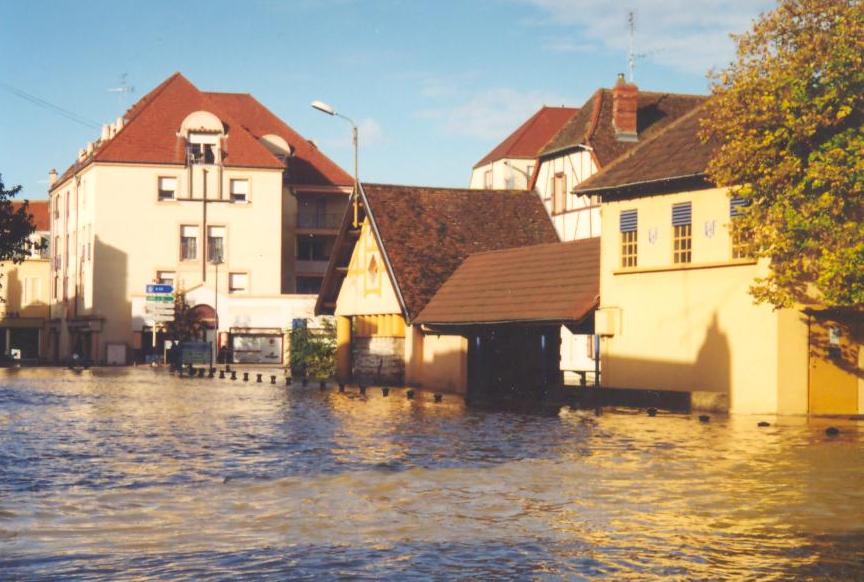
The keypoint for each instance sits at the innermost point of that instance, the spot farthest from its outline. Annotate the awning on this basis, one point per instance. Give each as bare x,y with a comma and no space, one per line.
550,283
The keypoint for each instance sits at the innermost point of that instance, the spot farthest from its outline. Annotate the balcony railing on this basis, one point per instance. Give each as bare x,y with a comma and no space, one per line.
328,220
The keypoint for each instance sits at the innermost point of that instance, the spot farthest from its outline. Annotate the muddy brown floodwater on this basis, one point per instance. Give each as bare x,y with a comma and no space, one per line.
132,474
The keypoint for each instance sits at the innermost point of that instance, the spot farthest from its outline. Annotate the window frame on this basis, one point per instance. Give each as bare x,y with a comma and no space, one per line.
223,238
246,196
559,200
232,290
195,238
159,190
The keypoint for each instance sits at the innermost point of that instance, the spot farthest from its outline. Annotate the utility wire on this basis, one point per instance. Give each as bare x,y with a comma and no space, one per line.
39,102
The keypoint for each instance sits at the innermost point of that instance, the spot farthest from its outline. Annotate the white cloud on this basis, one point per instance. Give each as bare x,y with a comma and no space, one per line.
490,114
690,35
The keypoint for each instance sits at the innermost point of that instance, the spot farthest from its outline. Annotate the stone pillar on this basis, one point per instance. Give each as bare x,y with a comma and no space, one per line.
343,348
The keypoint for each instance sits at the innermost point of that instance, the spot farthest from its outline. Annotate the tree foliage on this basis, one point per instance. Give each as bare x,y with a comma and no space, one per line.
16,226
186,326
313,351
788,116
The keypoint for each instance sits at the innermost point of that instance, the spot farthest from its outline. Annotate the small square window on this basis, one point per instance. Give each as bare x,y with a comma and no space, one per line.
238,282
167,188
239,190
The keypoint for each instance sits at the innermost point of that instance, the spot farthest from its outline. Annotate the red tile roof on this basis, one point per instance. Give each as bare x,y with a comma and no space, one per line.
674,154
151,126
426,233
39,213
308,166
557,283
531,136
593,124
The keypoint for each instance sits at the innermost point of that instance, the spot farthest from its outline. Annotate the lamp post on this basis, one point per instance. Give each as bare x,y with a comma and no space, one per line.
355,194
217,260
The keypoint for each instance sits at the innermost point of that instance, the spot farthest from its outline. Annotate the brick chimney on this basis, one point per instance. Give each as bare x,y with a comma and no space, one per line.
624,104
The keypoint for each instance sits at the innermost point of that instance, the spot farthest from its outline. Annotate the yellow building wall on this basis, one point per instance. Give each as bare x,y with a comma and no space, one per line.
25,289
367,296
695,327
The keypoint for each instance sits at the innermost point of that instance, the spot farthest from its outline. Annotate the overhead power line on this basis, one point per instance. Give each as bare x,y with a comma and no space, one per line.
39,102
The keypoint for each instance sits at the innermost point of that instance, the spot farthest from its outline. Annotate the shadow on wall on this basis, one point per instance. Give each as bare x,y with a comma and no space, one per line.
707,378
111,302
433,368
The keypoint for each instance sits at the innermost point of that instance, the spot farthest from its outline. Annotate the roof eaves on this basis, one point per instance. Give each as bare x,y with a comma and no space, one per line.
390,271
621,188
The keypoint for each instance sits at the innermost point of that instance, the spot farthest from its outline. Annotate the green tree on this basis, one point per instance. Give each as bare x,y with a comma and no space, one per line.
313,351
16,226
186,325
787,116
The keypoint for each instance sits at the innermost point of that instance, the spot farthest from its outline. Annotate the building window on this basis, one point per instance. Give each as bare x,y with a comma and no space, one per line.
167,188
487,179
188,243
166,277
201,148
238,282
239,190
737,234
559,192
682,233
216,244
309,285
629,226
314,248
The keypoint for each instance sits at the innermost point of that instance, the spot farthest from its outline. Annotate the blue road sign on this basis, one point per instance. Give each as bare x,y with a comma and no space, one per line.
159,288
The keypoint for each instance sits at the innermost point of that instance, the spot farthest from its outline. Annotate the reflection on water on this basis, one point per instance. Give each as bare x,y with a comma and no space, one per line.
135,473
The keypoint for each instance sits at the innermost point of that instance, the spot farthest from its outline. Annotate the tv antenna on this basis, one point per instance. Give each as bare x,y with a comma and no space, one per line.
122,90
631,55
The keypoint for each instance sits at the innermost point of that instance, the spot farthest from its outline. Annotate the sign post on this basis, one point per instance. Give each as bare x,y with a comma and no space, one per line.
159,306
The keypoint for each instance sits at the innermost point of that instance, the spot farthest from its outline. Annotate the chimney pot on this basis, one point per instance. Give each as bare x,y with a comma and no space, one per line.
52,177
625,102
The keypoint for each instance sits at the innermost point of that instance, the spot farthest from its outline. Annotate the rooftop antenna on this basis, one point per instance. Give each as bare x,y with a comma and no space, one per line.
123,90
631,56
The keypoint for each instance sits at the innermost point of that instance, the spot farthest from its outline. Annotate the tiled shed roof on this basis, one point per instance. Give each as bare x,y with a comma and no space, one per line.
557,282
593,125
426,233
531,136
675,153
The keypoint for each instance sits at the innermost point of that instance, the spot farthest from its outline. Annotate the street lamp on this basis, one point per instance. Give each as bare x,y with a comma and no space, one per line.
216,260
325,108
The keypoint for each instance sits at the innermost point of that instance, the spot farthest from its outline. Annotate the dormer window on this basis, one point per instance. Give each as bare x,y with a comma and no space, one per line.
202,148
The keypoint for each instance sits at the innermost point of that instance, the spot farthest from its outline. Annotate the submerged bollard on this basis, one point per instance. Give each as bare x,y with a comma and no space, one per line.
201,372
763,424
304,382
221,374
272,379
258,378
652,411
287,380
342,388
363,390
233,375
211,373
704,418
832,431
409,394
385,392
322,383
438,397
245,376
227,368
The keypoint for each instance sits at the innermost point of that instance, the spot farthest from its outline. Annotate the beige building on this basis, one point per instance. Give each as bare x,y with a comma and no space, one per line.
209,192
675,312
384,271
24,295
511,164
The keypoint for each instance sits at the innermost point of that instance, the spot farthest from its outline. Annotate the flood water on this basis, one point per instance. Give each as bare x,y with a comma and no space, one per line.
133,474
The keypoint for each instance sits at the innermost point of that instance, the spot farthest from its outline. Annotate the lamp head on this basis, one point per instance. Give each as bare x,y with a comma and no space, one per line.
323,107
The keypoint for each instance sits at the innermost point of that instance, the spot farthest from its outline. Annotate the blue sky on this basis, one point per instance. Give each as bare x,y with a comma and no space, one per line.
434,85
